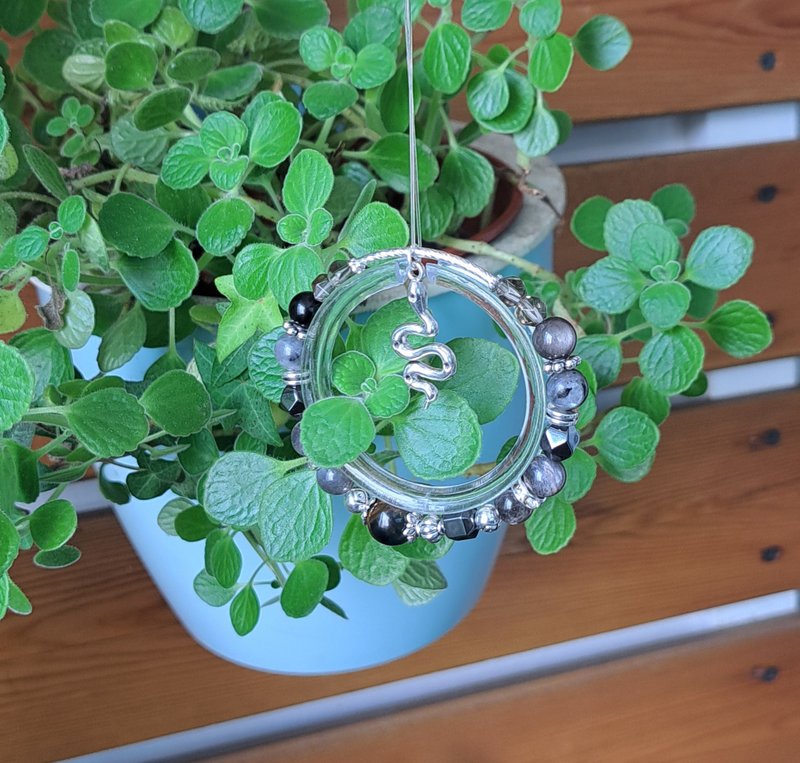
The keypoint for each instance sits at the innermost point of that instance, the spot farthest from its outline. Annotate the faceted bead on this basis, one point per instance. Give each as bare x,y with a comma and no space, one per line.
530,311
510,290
334,481
303,307
544,477
386,524
292,401
460,526
559,443
510,510
554,338
566,390
321,288
295,439
486,519
288,350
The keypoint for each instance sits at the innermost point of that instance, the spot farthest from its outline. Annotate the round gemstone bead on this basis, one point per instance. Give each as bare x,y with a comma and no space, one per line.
510,510
295,439
566,390
559,443
288,350
334,481
544,477
386,524
292,401
486,519
303,308
554,338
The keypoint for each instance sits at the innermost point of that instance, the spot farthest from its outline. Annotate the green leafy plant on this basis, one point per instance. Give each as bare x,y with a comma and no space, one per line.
175,172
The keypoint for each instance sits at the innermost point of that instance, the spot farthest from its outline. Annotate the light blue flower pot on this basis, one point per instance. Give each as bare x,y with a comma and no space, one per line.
379,628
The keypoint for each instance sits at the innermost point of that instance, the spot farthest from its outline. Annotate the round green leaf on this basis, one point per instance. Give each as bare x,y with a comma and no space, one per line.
20,16
192,65
223,226
719,257
161,107
389,158
292,271
9,543
45,55
376,227
233,83
336,430
390,398
18,602
250,269
603,42
178,403
520,106
265,371
671,360
612,285
488,94
366,559
540,18
122,340
550,62
652,245
469,178
436,210
304,588
134,226
245,611
588,221
540,136
211,16
622,220
276,130
138,14
740,328
46,170
130,66
16,386
581,471
289,21
183,205
485,15
441,441
186,164
71,214
109,422
78,321
446,57
53,524
603,353
350,370
222,132
675,202
664,304
374,66
308,183
210,591
626,441
131,145
31,243
161,282
551,526
318,47
57,558
327,99
12,312
640,394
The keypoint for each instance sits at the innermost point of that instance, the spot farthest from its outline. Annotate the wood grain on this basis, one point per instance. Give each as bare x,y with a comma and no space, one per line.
698,702
726,184
103,662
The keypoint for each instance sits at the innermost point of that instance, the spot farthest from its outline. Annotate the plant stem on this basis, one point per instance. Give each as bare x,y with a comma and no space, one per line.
481,247
172,331
630,331
102,177
27,196
276,570
52,445
262,209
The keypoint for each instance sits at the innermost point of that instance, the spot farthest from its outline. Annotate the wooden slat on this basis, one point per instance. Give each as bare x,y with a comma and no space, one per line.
687,56
699,702
726,184
102,661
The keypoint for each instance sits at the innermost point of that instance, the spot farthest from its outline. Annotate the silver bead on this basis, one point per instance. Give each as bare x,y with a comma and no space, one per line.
554,338
486,519
530,311
544,477
410,530
510,290
357,500
521,492
430,529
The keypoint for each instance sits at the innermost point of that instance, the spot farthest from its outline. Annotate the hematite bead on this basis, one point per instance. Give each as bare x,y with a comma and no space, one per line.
544,477
559,443
303,307
386,524
510,510
334,481
295,439
292,401
460,526
288,350
554,338
566,390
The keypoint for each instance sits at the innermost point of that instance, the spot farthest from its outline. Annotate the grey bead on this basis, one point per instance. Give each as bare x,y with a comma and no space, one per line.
510,290
554,338
510,510
334,481
295,439
288,350
530,311
559,443
460,526
566,390
544,477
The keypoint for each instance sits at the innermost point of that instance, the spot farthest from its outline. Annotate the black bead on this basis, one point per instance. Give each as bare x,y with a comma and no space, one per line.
460,526
386,524
292,401
303,307
559,443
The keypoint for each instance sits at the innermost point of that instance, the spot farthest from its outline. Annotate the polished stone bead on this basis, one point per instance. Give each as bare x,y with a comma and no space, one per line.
566,390
292,401
510,510
303,308
554,338
460,526
544,477
295,439
386,524
486,519
334,481
288,350
559,443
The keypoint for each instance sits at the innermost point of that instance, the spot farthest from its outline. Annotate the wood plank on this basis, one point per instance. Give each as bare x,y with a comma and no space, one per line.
102,645
701,701
756,188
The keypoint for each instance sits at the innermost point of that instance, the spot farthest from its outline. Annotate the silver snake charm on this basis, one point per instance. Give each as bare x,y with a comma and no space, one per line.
418,375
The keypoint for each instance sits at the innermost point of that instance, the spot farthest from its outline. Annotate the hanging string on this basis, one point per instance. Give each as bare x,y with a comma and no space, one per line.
413,181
